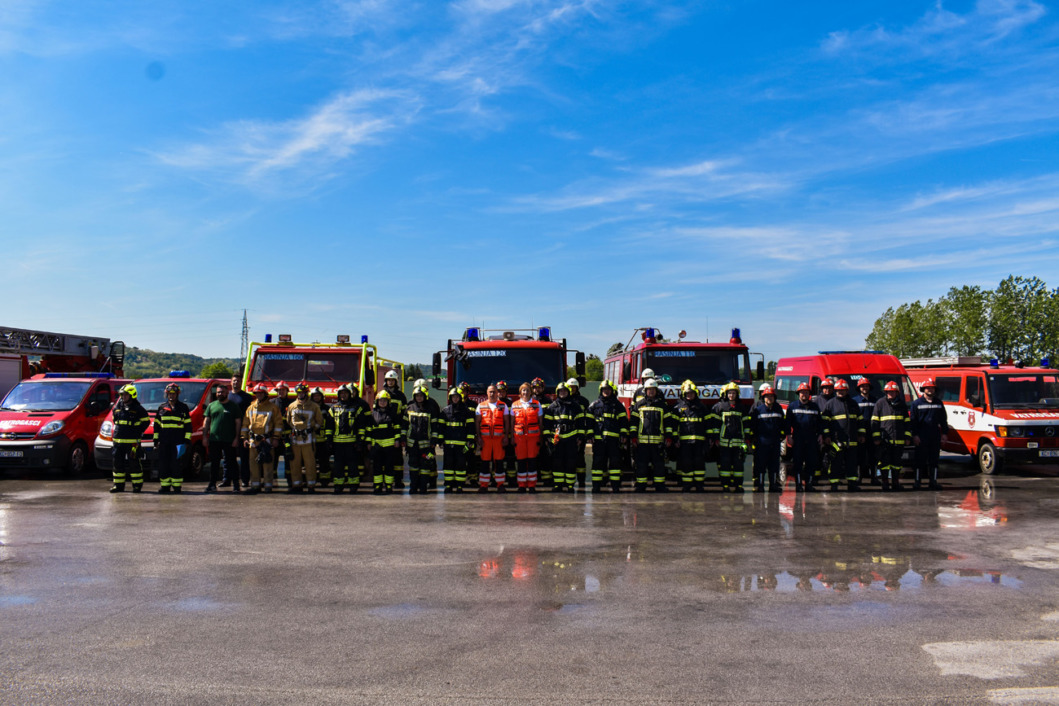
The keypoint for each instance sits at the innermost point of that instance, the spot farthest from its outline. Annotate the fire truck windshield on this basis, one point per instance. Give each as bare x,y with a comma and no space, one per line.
703,367
480,367
317,366
45,396
1024,390
152,394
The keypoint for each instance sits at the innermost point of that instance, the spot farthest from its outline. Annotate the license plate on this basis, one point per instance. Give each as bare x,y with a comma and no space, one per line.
10,454
1031,444
1049,453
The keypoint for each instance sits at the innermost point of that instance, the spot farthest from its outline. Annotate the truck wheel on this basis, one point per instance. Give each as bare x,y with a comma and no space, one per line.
77,461
988,460
196,463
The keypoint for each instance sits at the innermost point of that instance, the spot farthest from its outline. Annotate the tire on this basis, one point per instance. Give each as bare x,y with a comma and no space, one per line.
989,462
196,463
77,462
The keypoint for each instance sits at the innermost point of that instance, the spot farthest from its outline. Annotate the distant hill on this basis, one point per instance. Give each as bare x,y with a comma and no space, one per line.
144,363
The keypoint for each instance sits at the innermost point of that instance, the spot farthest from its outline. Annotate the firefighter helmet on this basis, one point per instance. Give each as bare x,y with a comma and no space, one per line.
647,373
301,387
650,383
537,382
929,382
417,390
688,386
318,390
260,387
345,388
891,387
827,382
804,387
730,387
841,384
501,385
391,375
864,382
560,387
383,395
172,387
129,390
454,391
607,384
766,389
572,382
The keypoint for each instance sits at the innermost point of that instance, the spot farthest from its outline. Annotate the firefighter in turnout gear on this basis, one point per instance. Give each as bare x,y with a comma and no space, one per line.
805,430
262,434
349,416
575,394
930,428
474,461
843,432
729,433
130,422
610,431
563,430
766,433
434,407
866,452
827,393
323,439
544,457
639,393
172,436
493,431
423,435
385,436
527,418
457,437
305,421
691,419
391,383
651,432
282,401
891,432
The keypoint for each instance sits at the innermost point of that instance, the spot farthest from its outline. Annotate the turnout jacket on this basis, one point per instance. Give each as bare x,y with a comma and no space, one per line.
767,424
262,419
421,424
867,407
804,422
608,418
890,422
929,420
842,421
651,421
728,424
172,424
385,427
692,420
348,421
398,399
563,420
304,419
130,422
456,425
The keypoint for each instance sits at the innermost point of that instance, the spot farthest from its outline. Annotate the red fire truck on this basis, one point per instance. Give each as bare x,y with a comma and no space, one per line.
24,353
485,356
324,365
709,365
998,413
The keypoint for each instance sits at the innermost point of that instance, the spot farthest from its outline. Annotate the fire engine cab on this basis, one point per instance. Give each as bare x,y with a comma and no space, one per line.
324,365
485,356
997,413
709,365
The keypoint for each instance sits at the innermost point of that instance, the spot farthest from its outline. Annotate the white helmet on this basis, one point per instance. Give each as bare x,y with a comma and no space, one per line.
572,382
392,375
647,373
419,383
763,386
650,383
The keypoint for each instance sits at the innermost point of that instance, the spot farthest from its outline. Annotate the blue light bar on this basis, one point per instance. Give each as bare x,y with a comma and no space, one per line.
473,334
179,374
544,333
78,375
1045,362
268,338
364,338
994,363
649,333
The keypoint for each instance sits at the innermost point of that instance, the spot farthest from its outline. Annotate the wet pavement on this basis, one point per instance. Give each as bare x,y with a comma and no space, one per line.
922,597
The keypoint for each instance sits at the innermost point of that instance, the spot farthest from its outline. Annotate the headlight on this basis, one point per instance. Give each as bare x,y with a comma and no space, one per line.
1015,431
107,430
53,427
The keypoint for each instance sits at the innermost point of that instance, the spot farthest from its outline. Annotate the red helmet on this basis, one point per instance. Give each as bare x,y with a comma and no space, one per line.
827,382
841,384
804,387
766,390
929,382
301,387
172,387
891,387
260,387
864,382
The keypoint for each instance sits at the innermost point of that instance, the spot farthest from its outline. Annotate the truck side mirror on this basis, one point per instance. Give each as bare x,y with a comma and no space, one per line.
760,370
626,371
579,366
435,367
369,377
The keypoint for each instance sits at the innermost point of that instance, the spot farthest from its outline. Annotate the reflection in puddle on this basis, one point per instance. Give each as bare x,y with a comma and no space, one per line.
8,601
198,604
974,511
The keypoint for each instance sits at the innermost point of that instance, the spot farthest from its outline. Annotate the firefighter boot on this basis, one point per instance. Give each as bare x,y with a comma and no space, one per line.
615,485
118,488
853,486
137,487
413,482
641,487
377,490
597,486
895,479
660,487
685,486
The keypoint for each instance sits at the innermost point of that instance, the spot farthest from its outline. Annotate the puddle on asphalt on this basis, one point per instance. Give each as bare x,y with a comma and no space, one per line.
198,604
11,601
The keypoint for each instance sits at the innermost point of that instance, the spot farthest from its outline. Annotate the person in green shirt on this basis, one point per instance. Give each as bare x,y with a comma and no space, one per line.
222,423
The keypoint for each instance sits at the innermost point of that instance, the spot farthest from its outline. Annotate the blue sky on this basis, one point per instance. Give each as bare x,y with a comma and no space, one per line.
407,169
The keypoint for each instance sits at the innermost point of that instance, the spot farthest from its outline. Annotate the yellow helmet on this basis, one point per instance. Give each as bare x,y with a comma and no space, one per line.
688,386
728,387
382,395
129,389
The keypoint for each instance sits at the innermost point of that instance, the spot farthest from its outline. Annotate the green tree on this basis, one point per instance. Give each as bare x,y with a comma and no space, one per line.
594,368
219,369
1017,318
965,317
414,372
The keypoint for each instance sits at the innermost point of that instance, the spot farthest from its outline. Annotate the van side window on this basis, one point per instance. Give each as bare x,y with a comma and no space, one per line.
973,395
101,396
786,388
948,388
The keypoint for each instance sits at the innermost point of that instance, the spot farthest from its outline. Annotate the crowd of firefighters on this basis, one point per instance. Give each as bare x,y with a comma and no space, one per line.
527,439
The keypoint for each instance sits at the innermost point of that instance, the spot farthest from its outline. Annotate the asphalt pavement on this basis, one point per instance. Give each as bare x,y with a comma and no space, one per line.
913,597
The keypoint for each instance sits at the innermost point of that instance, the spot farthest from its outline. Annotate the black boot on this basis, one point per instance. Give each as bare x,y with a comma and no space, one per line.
597,486
118,488
685,486
164,489
338,489
640,488
137,487
615,485
660,487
